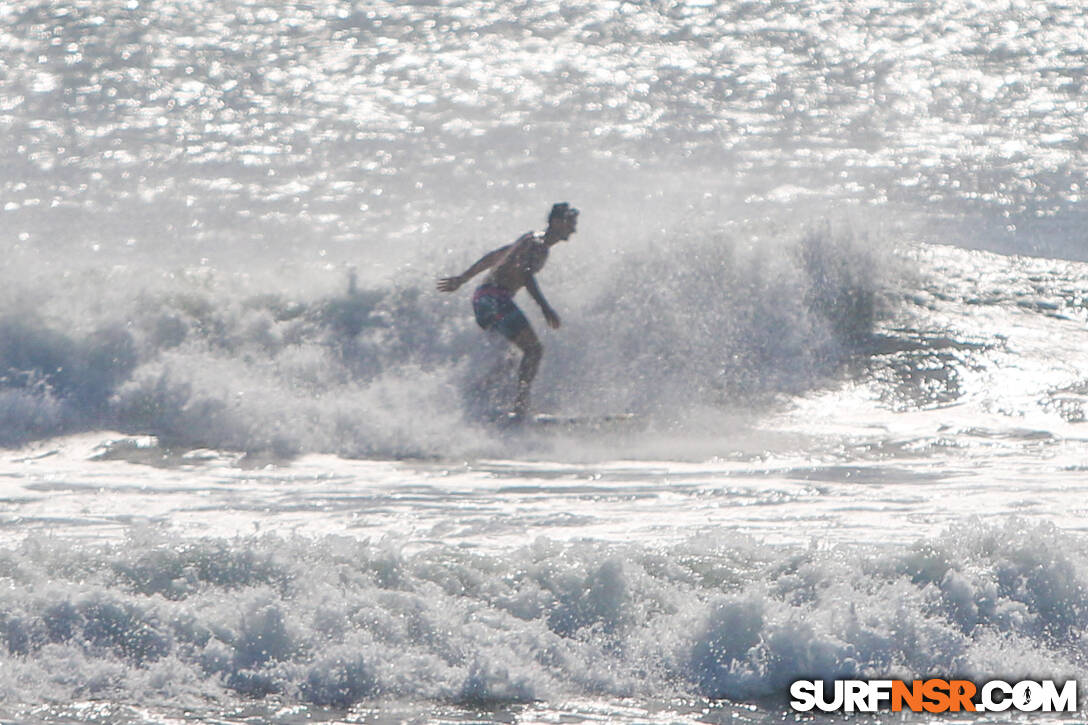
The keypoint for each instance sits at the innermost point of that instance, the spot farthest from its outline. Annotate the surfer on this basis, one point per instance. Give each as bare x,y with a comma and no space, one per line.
512,267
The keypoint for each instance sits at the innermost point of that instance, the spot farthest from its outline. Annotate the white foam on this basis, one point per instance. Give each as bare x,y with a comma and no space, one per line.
336,621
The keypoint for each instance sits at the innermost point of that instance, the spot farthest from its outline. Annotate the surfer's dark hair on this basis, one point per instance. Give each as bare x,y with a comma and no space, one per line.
562,211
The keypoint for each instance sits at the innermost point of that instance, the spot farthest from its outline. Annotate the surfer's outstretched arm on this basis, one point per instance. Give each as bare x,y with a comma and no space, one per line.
489,260
536,294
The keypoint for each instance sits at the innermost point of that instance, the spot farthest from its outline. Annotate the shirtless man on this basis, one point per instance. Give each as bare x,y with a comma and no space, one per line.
512,267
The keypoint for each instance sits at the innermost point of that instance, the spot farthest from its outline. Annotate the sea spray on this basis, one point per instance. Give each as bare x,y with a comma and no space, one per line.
699,319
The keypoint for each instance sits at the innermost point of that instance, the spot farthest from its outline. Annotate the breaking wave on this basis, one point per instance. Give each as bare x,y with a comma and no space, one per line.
338,621
703,320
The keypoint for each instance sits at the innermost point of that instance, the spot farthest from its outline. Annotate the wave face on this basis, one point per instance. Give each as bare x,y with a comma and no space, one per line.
338,621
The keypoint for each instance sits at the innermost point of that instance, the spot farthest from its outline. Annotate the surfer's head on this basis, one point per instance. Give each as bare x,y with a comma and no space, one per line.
562,221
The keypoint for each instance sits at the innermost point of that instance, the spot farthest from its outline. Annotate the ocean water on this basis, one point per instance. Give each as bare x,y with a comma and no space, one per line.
832,256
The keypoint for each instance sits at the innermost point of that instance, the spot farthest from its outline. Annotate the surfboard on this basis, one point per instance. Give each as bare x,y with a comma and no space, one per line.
566,423
584,421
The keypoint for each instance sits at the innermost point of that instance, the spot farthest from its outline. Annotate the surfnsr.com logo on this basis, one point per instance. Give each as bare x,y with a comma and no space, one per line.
933,695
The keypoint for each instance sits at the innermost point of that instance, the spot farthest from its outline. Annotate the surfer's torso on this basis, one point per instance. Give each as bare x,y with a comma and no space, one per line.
522,260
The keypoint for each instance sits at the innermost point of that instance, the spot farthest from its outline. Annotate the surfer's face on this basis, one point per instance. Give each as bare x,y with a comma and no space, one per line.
563,227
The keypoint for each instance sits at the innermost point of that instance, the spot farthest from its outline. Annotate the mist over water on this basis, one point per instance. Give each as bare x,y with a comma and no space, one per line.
832,254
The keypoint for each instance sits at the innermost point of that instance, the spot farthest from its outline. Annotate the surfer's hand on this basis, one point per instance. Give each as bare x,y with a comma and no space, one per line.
552,318
449,284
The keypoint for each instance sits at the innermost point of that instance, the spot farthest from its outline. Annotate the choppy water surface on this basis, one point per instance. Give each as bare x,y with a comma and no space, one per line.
348,127
243,475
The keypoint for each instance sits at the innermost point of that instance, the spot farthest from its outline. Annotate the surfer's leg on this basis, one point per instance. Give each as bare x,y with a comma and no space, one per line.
531,350
498,313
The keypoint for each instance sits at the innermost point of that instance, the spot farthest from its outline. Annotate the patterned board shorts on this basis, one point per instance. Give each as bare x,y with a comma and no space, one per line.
495,310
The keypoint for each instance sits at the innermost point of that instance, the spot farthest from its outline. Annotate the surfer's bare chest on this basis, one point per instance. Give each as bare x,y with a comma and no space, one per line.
525,259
